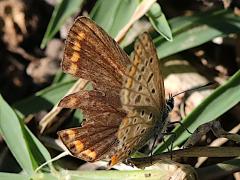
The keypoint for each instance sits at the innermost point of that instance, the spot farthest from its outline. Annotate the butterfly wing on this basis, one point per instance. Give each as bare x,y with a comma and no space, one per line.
96,139
142,98
93,55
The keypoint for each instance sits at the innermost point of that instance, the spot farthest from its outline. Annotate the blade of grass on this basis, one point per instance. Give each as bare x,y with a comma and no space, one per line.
193,31
159,21
113,15
61,12
217,171
26,149
220,101
43,99
141,9
11,176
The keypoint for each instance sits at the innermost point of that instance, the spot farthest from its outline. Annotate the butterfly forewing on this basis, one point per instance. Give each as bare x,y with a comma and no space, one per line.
93,55
143,98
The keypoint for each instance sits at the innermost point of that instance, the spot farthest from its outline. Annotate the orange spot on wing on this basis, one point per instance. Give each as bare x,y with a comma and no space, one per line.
75,57
78,146
90,155
71,102
72,68
70,134
114,160
80,36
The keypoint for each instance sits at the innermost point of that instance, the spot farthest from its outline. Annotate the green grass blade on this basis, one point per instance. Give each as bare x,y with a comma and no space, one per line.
220,101
113,15
11,176
159,21
27,150
193,31
43,99
61,12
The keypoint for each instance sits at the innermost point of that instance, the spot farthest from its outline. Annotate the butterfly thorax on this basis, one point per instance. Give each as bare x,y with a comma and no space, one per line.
161,124
169,106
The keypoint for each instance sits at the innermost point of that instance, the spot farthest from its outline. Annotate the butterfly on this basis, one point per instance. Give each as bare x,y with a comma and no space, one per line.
127,106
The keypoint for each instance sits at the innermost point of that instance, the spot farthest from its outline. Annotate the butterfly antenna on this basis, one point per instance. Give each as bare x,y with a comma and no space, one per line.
195,88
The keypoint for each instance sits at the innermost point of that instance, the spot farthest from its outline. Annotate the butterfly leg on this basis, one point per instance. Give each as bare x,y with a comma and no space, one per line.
154,142
179,122
173,139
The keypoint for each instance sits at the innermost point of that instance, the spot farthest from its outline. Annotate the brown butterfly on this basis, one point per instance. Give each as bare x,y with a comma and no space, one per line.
127,106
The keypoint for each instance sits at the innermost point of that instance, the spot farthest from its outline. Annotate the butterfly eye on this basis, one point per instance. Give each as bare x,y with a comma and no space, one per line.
129,152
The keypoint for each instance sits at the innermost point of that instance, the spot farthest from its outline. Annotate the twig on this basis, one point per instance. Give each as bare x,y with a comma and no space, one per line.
188,152
216,143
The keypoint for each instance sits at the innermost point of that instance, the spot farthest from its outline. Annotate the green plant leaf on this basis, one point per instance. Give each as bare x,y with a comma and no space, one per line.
159,21
195,30
27,150
220,101
113,15
61,12
11,176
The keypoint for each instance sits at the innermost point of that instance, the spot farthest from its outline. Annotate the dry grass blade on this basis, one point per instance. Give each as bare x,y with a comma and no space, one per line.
49,119
143,7
216,128
216,143
188,152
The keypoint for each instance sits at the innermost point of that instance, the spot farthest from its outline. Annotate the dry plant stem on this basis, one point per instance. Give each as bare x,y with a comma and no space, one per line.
143,7
219,170
189,152
216,143
50,119
20,51
216,128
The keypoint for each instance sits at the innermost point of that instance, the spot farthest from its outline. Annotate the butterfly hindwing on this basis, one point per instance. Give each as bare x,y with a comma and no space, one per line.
89,143
143,83
97,138
142,96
